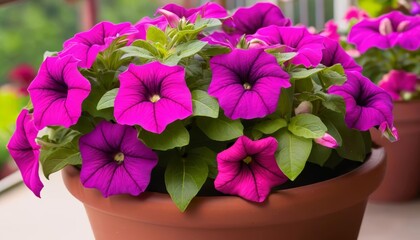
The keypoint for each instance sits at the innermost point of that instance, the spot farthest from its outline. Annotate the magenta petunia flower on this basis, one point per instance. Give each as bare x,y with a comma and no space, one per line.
397,82
144,24
333,53
389,30
207,10
247,20
222,39
415,7
85,46
152,95
249,169
24,150
355,13
115,161
367,105
57,92
247,83
331,31
297,39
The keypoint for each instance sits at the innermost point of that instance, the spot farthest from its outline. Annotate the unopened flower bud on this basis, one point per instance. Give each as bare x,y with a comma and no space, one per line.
171,17
304,107
327,141
390,133
257,43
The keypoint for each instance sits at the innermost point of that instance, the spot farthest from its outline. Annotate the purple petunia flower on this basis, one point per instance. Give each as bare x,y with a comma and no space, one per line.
152,95
355,13
57,92
333,53
85,46
222,39
397,82
24,150
247,20
297,39
249,169
247,83
115,161
207,10
389,30
367,105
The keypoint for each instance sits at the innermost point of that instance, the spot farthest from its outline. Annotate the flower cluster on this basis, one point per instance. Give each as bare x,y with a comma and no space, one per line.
389,48
197,94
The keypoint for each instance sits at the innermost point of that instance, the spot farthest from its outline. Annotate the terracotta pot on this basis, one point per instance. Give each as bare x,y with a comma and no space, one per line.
402,177
331,209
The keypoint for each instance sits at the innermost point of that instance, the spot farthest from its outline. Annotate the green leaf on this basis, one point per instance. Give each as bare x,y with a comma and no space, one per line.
204,104
333,102
285,105
133,51
154,34
333,131
204,153
307,125
49,54
146,46
175,135
353,146
189,49
221,129
283,57
213,50
207,22
300,73
319,154
184,178
107,100
293,153
333,75
270,126
57,159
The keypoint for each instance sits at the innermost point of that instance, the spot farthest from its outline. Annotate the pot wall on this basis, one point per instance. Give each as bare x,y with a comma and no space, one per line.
331,209
402,176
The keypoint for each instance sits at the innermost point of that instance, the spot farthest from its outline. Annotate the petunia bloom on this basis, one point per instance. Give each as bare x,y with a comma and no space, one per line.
207,10
24,150
249,169
57,92
85,46
367,105
415,7
247,83
355,13
296,39
152,95
247,20
331,31
397,82
222,39
389,30
115,161
333,53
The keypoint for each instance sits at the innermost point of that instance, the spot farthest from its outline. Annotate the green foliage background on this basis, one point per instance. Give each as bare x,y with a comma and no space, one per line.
29,28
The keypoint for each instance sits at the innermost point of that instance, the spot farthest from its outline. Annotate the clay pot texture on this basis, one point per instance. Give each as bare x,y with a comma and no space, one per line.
332,209
402,176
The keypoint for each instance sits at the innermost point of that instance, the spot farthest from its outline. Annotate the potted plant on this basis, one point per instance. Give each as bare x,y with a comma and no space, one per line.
199,102
390,53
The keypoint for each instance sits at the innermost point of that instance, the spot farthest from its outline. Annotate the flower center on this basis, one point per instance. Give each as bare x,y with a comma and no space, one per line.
247,86
154,98
248,160
119,157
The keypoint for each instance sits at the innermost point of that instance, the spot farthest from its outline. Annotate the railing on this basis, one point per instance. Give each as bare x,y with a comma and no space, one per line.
308,12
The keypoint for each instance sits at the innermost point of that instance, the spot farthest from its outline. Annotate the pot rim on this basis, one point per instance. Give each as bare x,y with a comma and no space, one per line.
295,204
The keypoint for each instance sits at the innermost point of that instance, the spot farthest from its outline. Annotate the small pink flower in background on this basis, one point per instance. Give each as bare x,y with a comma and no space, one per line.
152,95
355,13
24,150
22,75
249,169
58,92
415,7
331,31
397,82
327,141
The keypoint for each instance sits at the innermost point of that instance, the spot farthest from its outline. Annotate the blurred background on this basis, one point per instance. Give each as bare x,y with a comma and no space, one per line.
28,28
